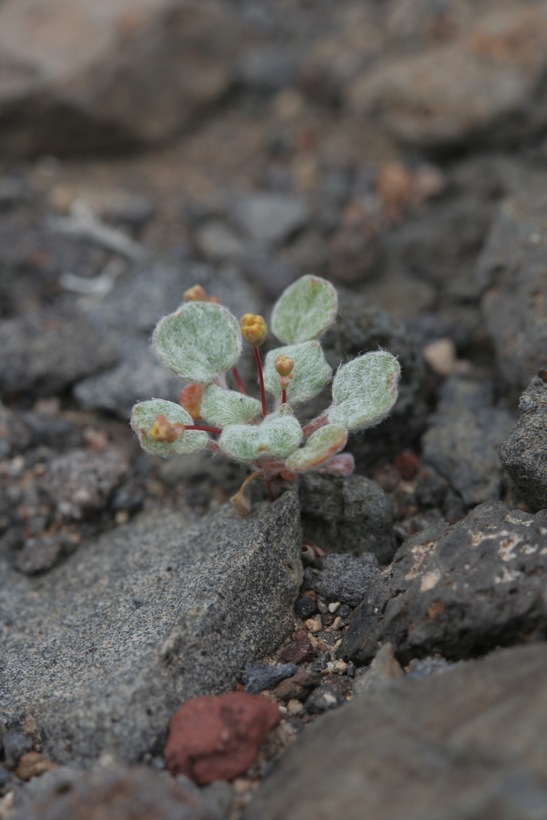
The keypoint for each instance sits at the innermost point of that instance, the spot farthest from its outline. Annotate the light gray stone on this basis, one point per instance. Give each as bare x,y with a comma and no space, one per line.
75,77
470,743
103,649
485,83
269,216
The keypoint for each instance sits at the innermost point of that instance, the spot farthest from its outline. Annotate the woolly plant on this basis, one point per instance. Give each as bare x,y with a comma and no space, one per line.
201,343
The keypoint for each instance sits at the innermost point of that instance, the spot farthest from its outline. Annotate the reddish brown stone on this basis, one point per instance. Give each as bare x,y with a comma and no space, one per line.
299,650
407,464
298,686
217,737
33,764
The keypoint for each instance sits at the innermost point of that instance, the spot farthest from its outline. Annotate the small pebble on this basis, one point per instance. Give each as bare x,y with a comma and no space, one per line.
334,606
295,707
314,625
323,699
305,607
265,676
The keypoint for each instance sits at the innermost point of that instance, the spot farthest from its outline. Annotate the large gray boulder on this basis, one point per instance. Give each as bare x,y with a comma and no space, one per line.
468,743
523,453
458,590
512,271
78,77
103,649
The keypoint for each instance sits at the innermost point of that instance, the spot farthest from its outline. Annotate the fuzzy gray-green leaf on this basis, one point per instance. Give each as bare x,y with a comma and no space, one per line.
304,310
144,415
199,341
309,376
318,449
221,407
277,436
365,390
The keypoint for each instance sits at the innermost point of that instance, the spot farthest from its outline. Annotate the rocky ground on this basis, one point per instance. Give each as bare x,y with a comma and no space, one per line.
398,149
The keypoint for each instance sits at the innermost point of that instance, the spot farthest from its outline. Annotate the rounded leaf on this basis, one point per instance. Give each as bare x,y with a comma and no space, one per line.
143,417
304,310
221,407
365,390
310,372
319,448
199,341
277,436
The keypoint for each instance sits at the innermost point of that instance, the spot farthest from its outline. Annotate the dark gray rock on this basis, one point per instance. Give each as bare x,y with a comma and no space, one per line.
361,327
470,743
47,351
384,669
324,699
463,439
118,793
458,590
139,376
82,481
347,515
441,244
216,240
269,273
347,578
268,217
103,649
128,315
484,84
266,675
21,431
38,554
14,745
269,69
512,268
139,299
523,453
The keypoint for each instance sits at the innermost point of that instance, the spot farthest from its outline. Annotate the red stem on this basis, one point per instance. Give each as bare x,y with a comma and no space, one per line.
284,395
238,380
261,381
205,428
314,425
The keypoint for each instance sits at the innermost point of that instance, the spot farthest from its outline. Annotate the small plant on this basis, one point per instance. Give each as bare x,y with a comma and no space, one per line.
201,343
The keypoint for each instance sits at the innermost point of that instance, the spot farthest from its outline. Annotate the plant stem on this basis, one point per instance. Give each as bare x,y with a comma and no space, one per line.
261,381
284,395
238,500
238,380
314,425
205,428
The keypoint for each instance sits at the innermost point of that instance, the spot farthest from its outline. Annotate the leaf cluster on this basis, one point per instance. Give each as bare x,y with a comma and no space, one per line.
202,341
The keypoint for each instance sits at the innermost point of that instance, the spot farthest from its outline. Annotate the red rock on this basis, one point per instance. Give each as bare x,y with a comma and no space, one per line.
298,687
407,464
217,737
298,651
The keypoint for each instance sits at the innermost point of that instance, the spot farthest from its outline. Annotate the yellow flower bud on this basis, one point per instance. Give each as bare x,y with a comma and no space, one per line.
163,430
195,294
284,365
253,329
